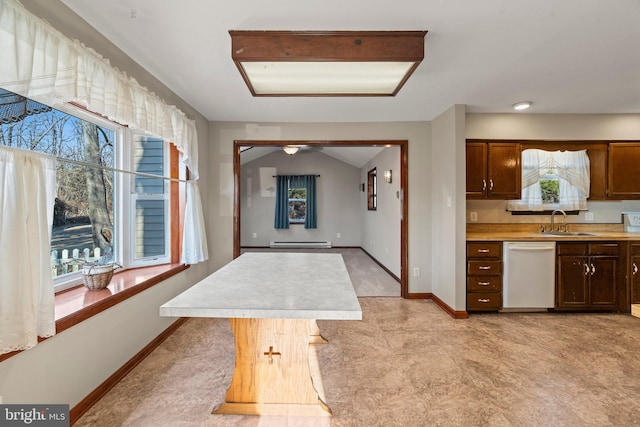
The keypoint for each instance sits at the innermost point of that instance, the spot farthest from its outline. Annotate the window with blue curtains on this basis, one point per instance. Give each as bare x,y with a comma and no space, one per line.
283,183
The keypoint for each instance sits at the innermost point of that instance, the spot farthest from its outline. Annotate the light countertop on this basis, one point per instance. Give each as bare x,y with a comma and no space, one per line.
530,232
272,285
537,236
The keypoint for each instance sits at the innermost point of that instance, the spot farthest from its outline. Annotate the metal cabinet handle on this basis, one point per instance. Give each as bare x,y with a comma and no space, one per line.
484,267
483,251
484,283
484,184
593,269
635,268
484,300
490,184
586,269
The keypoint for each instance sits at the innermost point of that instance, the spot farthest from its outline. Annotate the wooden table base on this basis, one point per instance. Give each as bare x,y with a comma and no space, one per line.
273,369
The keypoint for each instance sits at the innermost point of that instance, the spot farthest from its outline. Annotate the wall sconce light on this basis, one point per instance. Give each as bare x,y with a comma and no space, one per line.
387,176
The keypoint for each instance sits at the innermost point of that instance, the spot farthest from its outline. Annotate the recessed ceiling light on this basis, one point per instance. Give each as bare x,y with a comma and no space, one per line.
326,63
522,105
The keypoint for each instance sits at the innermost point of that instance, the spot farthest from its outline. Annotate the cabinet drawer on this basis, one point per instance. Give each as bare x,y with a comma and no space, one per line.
635,248
482,267
604,249
479,301
484,250
572,249
484,283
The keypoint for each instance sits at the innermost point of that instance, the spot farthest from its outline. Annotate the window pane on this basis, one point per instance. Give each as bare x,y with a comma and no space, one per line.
83,213
550,191
149,158
150,228
151,231
297,205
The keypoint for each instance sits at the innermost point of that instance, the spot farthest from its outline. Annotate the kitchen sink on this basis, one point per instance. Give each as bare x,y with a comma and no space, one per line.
567,233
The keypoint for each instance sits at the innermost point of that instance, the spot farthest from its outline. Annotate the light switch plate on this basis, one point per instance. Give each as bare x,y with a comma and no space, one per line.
588,216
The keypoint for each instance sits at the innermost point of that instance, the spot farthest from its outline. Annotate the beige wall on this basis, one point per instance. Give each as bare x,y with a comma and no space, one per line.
448,201
381,228
583,127
337,197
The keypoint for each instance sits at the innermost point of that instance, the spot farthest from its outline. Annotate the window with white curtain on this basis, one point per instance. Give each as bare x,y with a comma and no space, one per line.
99,214
553,180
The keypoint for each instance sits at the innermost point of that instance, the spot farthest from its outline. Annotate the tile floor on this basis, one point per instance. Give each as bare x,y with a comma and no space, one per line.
407,363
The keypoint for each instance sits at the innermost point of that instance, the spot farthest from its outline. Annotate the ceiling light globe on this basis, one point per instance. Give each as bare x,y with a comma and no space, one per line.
290,150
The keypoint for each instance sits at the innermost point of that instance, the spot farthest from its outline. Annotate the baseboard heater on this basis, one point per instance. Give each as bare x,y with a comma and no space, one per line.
300,245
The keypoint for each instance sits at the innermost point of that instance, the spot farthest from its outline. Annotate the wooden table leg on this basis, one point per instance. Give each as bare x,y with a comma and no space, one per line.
315,337
272,374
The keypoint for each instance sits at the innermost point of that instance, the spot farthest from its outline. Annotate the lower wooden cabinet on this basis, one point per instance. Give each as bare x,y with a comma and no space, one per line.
484,276
633,272
591,276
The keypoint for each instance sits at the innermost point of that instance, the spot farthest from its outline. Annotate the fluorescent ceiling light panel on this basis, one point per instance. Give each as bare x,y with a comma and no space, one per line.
325,78
333,63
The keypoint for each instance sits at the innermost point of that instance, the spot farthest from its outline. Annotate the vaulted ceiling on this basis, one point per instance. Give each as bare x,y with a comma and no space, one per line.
569,56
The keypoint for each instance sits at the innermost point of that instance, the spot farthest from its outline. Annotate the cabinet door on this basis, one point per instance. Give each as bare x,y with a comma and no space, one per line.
634,274
603,279
624,174
572,282
504,171
476,170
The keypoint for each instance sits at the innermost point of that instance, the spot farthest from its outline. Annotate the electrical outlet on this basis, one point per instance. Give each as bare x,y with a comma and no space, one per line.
338,235
588,216
474,216
416,272
255,235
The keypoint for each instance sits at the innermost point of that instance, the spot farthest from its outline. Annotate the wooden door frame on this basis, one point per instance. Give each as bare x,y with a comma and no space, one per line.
404,189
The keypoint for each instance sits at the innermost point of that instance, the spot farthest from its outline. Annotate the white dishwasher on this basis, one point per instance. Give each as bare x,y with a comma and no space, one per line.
529,275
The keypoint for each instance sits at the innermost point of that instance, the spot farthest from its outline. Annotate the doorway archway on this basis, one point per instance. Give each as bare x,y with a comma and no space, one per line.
404,182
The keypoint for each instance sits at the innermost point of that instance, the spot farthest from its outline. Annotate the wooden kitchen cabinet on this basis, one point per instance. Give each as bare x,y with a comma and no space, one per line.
633,272
493,170
623,177
590,276
484,276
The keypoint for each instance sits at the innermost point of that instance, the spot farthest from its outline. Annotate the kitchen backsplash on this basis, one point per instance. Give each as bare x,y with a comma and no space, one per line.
494,211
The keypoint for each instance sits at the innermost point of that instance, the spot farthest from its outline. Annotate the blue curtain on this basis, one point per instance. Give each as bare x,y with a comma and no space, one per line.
311,219
282,202
283,183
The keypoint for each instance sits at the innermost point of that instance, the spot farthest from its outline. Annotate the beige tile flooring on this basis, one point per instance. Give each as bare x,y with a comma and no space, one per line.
407,363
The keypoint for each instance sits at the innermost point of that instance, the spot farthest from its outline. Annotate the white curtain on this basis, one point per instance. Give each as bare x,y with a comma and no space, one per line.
531,193
39,62
572,170
27,196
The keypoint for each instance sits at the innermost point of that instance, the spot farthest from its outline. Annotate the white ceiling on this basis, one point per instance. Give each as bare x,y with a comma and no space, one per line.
567,56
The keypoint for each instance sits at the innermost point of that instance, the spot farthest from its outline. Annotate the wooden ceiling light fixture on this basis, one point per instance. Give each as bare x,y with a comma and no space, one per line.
326,63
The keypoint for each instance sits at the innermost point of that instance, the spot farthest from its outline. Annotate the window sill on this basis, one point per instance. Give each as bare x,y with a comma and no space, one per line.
78,304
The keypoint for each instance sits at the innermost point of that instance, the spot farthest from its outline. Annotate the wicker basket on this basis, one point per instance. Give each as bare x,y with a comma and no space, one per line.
98,276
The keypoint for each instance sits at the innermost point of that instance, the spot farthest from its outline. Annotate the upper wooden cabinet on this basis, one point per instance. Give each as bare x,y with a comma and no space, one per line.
493,170
623,170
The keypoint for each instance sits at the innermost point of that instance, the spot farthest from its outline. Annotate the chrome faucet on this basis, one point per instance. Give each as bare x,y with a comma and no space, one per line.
564,221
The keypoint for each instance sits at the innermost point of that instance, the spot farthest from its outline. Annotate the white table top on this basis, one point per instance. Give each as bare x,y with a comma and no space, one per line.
272,285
